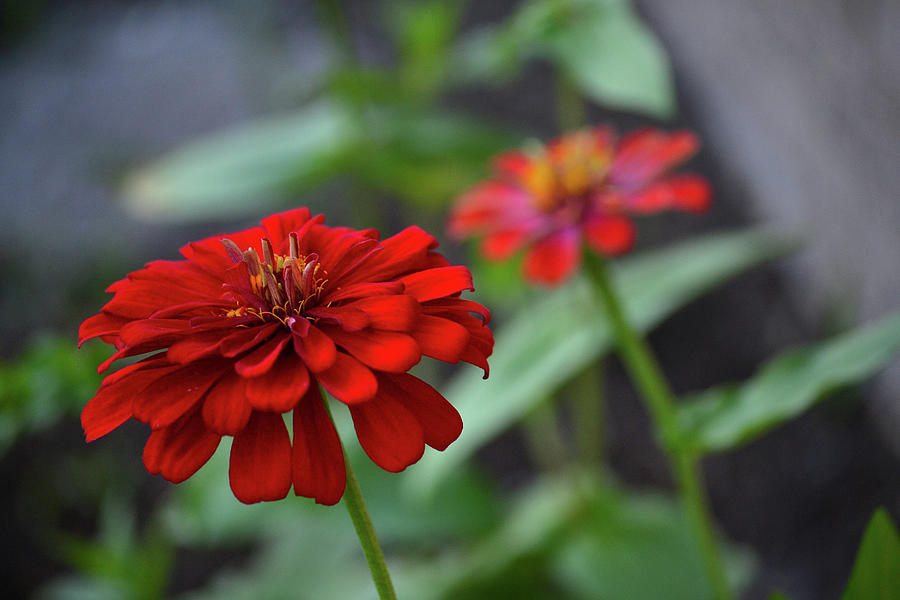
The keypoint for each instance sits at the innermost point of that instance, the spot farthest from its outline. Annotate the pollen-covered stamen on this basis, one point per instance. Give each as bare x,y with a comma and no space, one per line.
287,284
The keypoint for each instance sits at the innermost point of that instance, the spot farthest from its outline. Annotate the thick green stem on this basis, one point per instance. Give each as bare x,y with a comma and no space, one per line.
356,506
648,377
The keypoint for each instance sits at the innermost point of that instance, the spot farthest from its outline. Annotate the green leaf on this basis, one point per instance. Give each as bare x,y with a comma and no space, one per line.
728,416
229,173
876,573
778,596
601,45
554,337
613,58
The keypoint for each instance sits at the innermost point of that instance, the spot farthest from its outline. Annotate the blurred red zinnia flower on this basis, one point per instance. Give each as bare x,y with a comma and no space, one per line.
581,185
250,323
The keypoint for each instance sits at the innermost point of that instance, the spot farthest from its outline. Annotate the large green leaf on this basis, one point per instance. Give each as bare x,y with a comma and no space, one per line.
727,416
614,58
876,573
553,338
604,48
230,173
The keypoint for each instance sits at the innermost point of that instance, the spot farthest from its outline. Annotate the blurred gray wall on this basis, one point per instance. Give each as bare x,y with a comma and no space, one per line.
800,100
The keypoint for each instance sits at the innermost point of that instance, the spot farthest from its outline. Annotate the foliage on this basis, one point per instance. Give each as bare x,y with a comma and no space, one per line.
728,416
553,338
876,572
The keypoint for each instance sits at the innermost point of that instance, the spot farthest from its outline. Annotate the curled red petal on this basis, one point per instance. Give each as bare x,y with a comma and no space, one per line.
173,394
176,452
348,380
440,422
315,348
440,338
112,405
437,283
260,467
388,432
225,407
259,361
281,389
317,460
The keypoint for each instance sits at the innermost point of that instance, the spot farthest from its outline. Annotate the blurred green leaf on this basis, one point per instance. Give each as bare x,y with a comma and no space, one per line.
601,45
51,379
613,58
876,572
230,173
728,416
778,596
635,548
552,339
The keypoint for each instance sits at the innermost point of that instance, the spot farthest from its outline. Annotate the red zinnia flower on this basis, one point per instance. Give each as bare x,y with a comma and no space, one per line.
580,185
249,325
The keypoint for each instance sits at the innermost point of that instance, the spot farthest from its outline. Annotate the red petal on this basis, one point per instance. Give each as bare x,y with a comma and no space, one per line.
437,283
440,422
280,225
348,380
441,338
609,234
388,432
457,306
169,397
99,326
177,451
112,405
280,390
393,313
383,350
318,458
399,253
246,338
195,346
260,466
690,192
363,290
348,318
259,361
503,244
553,259
225,408
315,348
647,153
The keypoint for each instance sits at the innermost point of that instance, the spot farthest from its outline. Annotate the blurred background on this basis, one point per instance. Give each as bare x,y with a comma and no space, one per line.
129,128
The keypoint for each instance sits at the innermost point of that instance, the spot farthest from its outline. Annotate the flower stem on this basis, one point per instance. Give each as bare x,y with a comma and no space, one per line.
648,377
543,437
356,506
588,406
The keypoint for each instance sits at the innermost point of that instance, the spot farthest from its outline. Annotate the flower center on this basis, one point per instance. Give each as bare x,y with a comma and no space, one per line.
278,286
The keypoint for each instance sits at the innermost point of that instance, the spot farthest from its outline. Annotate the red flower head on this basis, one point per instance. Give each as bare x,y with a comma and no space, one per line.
249,325
583,184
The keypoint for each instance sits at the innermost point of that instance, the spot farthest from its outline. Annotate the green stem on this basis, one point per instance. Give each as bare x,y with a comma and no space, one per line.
588,406
356,506
543,436
648,377
571,112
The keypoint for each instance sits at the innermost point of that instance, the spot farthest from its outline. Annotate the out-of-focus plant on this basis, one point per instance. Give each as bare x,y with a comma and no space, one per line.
600,46
46,383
